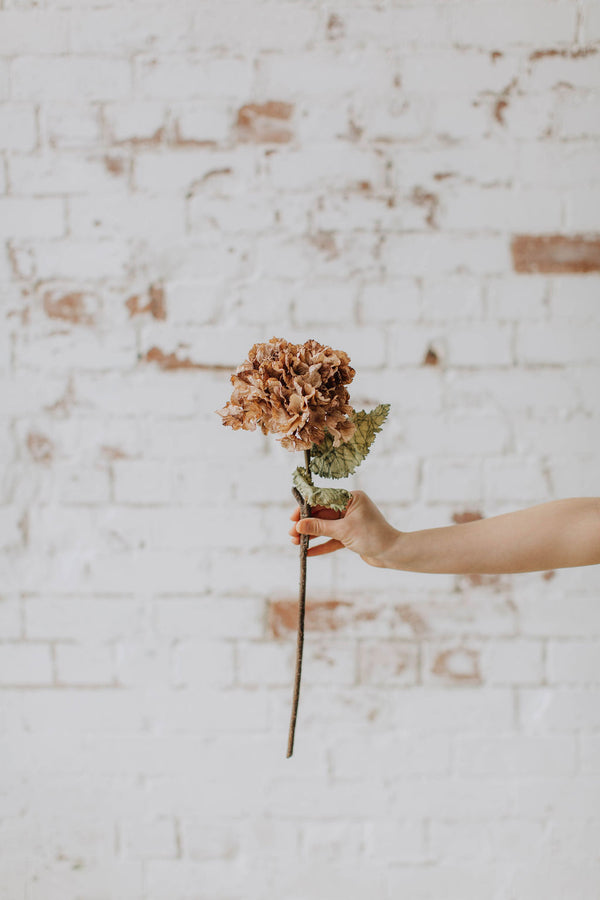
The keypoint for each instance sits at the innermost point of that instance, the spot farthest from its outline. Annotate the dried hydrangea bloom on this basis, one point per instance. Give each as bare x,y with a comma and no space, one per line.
295,390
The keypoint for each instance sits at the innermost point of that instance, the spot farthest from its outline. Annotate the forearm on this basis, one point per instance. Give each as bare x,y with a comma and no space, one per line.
552,535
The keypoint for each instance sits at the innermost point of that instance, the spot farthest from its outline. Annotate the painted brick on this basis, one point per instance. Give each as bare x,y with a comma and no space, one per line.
33,31
64,78
558,709
416,184
460,71
71,618
25,664
534,24
452,481
573,662
18,129
522,756
84,664
181,78
571,344
29,217
197,662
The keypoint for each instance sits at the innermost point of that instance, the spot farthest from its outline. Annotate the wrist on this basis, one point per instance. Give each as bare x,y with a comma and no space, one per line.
394,554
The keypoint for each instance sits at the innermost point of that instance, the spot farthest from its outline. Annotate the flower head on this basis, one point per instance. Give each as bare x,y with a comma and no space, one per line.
296,390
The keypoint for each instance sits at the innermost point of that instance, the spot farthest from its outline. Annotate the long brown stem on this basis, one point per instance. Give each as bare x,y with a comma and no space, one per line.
304,513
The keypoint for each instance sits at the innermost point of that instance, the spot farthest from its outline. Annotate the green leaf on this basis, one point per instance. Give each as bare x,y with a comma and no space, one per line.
338,462
334,498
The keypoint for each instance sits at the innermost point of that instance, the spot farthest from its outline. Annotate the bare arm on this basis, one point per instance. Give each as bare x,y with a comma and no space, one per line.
553,535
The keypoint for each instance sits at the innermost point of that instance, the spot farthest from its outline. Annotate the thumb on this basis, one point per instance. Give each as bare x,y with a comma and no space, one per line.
326,527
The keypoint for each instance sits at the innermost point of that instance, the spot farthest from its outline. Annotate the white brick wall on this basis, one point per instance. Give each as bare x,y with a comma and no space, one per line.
416,183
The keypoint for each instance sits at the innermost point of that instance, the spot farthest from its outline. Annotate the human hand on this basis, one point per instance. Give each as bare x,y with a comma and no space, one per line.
361,527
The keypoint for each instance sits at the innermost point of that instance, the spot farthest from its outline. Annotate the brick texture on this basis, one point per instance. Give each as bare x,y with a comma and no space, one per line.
416,183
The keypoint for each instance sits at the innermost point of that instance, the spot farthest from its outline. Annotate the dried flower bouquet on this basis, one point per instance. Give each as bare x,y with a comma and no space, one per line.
299,392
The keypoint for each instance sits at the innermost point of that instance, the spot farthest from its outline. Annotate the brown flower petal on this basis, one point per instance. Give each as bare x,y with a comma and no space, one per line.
295,390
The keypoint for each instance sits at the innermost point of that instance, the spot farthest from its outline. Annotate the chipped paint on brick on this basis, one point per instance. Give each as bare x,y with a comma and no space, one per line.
179,140
261,123
40,447
411,617
68,307
325,241
156,305
114,164
320,615
430,201
565,53
502,102
431,358
152,140
335,27
170,361
555,254
459,665
355,132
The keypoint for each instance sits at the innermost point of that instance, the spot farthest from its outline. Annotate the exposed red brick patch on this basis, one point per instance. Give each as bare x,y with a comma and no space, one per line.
365,186
431,358
431,202
172,361
442,176
496,54
458,665
466,516
114,164
555,253
320,615
69,307
324,240
261,122
40,447
155,306
548,576
335,27
575,53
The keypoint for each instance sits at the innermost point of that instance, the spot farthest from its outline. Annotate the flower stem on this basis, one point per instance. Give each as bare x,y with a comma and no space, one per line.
304,513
